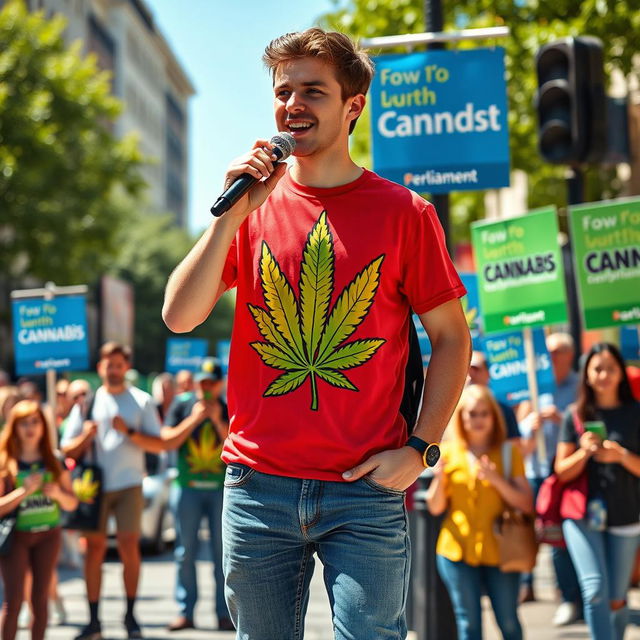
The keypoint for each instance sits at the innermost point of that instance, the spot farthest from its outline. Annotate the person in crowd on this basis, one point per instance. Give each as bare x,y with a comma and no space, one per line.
549,418
184,382
163,393
198,425
9,396
5,379
123,425
469,486
63,404
35,484
324,244
603,544
479,374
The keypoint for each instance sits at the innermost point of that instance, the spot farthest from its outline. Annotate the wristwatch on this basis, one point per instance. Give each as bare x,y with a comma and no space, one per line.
430,452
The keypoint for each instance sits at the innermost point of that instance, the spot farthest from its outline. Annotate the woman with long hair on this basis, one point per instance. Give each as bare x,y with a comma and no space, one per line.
600,436
34,484
470,486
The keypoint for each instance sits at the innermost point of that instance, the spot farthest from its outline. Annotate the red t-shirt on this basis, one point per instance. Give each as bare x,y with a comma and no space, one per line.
325,281
633,374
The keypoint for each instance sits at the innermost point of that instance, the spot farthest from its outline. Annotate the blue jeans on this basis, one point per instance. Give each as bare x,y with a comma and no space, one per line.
273,525
466,584
189,507
604,563
566,577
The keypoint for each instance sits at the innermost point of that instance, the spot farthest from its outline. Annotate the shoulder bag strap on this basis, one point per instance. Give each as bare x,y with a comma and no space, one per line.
507,454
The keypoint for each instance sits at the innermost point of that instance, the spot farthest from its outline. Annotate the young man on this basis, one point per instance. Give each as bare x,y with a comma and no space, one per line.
198,424
123,425
328,260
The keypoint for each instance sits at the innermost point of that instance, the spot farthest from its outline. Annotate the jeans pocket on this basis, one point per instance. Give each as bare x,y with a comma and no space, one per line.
380,488
237,474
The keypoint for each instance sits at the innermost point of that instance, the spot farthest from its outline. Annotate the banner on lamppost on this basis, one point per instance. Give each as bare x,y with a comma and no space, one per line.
606,248
520,272
439,120
50,334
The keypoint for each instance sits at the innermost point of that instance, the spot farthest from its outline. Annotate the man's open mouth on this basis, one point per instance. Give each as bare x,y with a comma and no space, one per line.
299,127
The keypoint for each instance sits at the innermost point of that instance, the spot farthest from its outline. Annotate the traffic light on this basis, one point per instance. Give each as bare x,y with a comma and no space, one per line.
570,101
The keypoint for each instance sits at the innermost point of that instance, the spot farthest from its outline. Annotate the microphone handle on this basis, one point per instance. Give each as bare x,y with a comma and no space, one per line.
233,194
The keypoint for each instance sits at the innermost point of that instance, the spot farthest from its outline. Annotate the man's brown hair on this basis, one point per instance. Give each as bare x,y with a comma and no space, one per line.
353,67
109,349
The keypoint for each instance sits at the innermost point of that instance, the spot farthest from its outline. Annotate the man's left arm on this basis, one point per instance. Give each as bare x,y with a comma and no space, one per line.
448,332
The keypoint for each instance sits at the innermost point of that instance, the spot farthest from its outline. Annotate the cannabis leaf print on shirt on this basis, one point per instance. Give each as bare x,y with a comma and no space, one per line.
303,337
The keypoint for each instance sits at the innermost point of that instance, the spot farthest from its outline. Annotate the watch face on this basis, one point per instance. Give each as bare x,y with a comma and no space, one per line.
432,455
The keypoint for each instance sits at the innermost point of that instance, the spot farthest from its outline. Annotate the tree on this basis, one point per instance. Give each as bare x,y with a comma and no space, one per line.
60,166
615,22
150,248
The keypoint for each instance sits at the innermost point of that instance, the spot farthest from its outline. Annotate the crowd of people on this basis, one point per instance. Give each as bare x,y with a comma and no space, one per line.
591,428
117,425
120,428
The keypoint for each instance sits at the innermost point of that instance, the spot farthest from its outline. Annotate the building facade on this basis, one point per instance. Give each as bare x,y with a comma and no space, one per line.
148,79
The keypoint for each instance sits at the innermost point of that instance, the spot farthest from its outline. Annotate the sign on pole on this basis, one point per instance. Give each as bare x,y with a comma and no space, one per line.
506,359
185,353
439,120
606,250
50,334
520,273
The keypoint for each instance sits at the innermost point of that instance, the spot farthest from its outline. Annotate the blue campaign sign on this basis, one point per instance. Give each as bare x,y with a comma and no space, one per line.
50,334
508,367
471,306
185,353
630,342
439,120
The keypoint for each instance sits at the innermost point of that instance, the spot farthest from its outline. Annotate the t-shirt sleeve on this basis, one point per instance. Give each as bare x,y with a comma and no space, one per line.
73,426
568,429
230,269
150,420
429,278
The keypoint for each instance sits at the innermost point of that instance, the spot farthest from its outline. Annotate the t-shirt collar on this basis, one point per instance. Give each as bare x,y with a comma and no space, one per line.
304,190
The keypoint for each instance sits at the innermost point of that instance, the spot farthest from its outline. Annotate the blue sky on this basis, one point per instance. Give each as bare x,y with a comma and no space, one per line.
219,44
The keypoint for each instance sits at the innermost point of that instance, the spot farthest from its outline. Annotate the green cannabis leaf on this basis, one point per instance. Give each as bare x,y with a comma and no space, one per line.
303,337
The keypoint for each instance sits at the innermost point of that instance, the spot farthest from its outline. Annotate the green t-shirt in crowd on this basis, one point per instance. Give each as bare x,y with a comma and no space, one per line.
36,512
199,463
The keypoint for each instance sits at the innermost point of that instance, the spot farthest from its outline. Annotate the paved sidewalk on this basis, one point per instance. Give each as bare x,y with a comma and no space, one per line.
156,607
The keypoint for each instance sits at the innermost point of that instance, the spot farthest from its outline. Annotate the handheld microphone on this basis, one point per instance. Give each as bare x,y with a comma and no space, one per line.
284,144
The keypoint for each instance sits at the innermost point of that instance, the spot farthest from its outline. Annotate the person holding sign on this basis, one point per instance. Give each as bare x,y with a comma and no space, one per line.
35,484
469,485
603,543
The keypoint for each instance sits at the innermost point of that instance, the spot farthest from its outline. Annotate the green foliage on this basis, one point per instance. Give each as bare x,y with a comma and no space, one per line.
59,163
150,248
532,23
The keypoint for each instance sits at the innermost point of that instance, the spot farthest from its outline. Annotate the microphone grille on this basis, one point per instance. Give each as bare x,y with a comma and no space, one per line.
285,142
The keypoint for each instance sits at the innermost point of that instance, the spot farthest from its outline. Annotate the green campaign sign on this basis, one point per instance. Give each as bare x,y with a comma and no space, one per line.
520,274
606,250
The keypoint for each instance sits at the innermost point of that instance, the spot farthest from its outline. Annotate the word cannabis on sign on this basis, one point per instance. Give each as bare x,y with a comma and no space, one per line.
606,246
439,120
520,274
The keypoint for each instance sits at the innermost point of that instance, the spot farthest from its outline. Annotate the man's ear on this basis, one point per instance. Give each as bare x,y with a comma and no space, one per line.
356,107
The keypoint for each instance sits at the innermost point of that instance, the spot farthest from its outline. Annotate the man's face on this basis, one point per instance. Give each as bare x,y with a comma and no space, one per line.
478,374
308,104
112,369
561,358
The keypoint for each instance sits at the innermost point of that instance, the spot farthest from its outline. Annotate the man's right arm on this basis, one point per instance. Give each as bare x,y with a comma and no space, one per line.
196,283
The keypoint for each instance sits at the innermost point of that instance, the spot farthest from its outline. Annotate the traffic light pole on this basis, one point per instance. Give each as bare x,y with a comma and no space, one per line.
575,195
